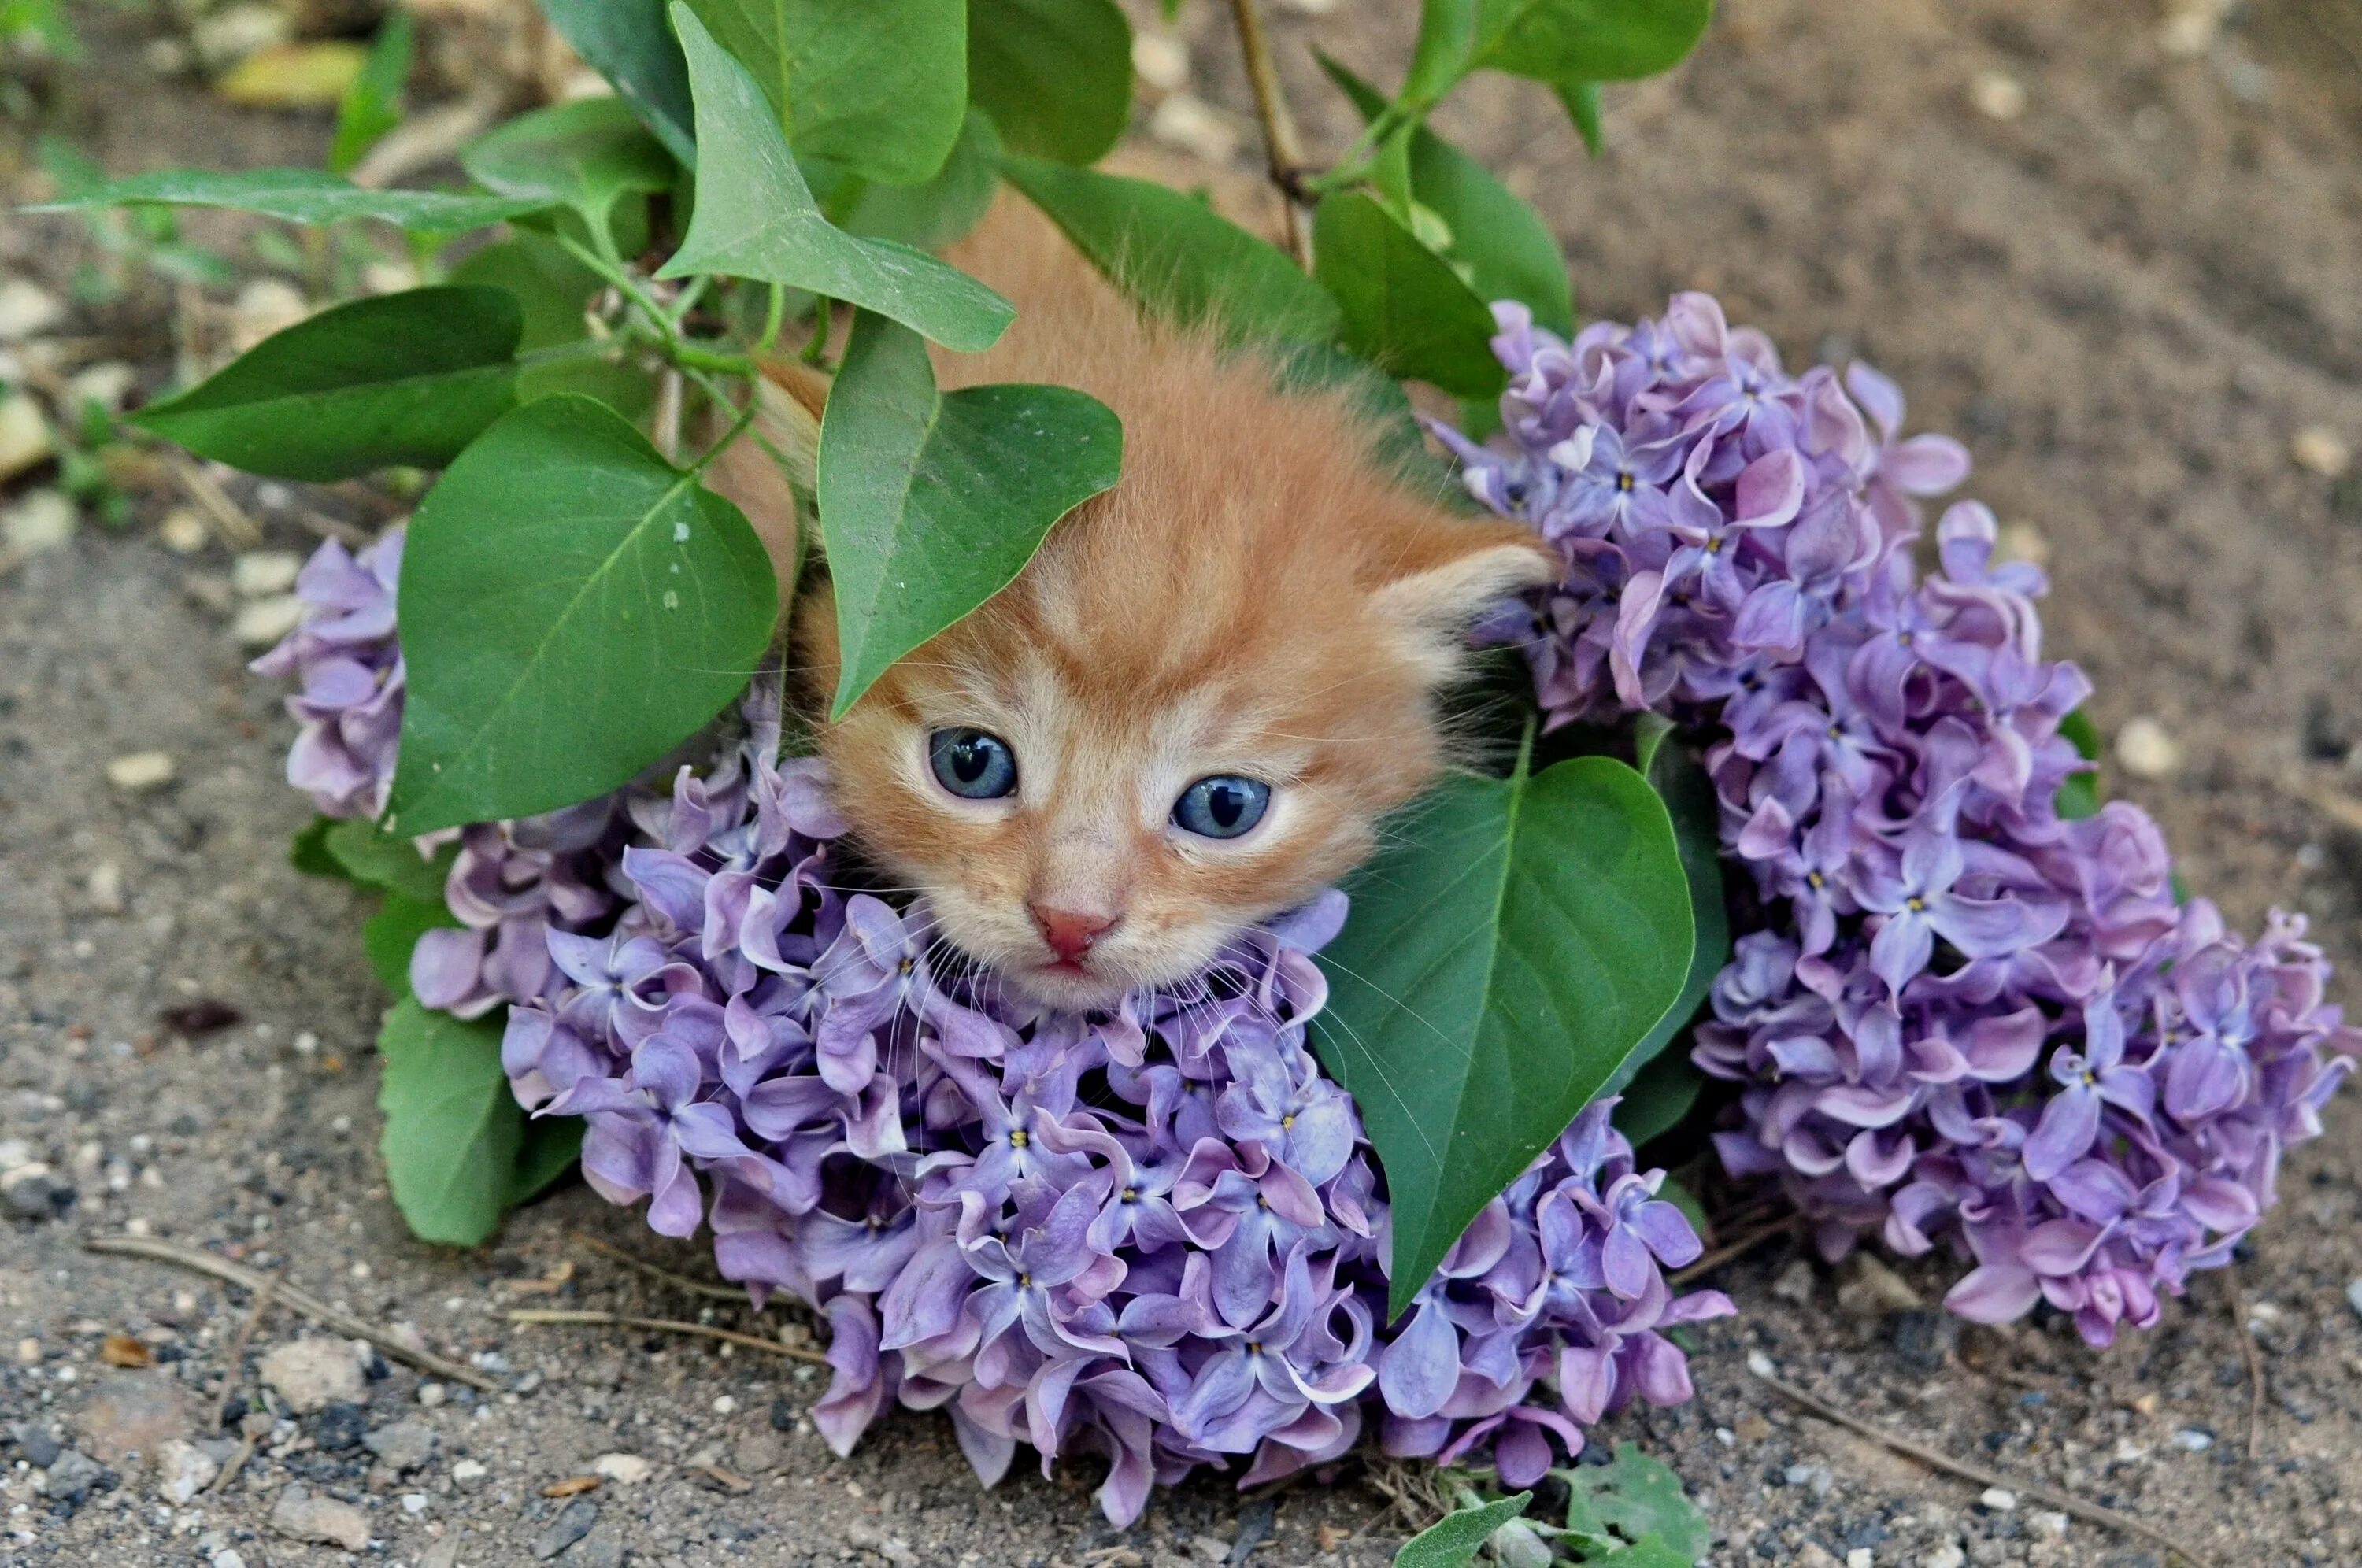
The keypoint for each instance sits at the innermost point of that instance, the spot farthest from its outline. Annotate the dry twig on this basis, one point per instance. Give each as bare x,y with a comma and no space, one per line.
301,1302
733,1294
1935,1459
234,1373
427,138
237,530
1737,1249
2246,1333
663,1326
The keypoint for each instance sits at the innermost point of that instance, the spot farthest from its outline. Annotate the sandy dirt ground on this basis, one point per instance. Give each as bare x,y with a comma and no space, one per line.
2131,278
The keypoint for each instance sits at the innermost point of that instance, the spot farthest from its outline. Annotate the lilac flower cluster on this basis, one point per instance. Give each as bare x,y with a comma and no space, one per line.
1962,1016
1155,1234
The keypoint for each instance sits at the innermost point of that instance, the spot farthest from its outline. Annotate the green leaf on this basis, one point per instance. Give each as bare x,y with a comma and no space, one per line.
1055,74
583,155
755,218
308,851
1681,781
931,503
629,43
1510,252
372,104
1440,58
1580,101
1658,1096
552,1145
1175,257
572,608
1453,1540
301,196
388,936
878,86
553,290
369,855
1514,942
452,1129
1585,40
400,378
1404,308
1638,1497
929,216
1649,1551
2080,794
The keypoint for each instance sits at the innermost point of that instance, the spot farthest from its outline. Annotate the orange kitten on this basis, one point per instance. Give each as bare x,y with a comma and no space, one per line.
1189,713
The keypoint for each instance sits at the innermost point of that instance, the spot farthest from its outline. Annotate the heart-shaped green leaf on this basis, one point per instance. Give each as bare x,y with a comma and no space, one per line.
755,217
582,155
1404,309
407,377
572,607
552,1145
928,216
1586,40
453,1131
1055,74
554,289
1681,781
1510,252
388,936
1514,942
930,503
369,855
630,43
372,104
301,196
1176,257
878,86
1453,1540
1639,1498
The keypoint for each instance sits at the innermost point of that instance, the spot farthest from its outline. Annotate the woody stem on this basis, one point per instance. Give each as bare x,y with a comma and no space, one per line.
1285,153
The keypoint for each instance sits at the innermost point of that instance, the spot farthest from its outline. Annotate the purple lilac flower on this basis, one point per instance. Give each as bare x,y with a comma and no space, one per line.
1962,1017
348,669
1155,1235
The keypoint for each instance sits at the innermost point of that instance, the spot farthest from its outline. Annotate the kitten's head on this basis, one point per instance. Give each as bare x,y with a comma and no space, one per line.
1187,714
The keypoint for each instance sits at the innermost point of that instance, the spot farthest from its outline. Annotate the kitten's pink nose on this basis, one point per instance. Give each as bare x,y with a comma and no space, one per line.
1069,933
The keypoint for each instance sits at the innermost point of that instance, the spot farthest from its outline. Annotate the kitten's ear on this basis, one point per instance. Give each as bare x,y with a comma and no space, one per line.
1446,573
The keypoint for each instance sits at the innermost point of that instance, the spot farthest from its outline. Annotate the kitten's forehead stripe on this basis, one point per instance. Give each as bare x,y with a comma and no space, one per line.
1254,596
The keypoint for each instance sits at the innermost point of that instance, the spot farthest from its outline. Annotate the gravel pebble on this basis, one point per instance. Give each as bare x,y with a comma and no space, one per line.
572,1523
403,1445
300,1515
313,1372
137,772
184,1470
40,1446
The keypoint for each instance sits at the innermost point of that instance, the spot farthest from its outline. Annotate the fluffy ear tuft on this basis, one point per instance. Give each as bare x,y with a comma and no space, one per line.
1451,572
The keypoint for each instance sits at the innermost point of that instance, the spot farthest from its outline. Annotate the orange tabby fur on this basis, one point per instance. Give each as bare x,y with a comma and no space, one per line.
1254,597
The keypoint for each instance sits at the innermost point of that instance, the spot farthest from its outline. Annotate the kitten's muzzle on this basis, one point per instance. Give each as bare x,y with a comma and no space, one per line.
1070,933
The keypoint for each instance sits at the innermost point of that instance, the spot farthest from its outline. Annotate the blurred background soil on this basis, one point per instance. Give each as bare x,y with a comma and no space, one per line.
2117,249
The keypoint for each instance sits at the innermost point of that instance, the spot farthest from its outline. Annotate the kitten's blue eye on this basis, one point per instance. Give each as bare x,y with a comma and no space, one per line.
972,764
1221,807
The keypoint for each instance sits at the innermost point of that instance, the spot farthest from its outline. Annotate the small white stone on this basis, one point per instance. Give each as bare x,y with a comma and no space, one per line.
314,1372
183,531
104,885
27,310
623,1469
1997,95
2191,27
432,1394
105,384
2190,1440
24,438
2147,750
264,306
227,1557
230,34
262,621
1761,1364
257,574
1999,1499
467,1472
140,770
1862,1557
1947,1555
2050,1522
184,1470
723,1404
1188,122
2321,450
1160,60
389,277
414,1502
44,520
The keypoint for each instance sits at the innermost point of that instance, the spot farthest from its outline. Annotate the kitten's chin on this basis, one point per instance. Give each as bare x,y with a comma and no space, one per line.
1071,987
